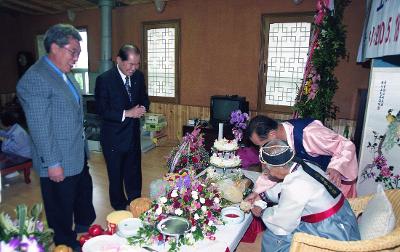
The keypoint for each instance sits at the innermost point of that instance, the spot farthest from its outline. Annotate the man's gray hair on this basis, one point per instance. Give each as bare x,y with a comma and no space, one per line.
60,35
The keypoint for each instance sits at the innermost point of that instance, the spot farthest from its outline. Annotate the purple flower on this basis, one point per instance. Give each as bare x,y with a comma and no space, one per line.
24,244
186,181
39,226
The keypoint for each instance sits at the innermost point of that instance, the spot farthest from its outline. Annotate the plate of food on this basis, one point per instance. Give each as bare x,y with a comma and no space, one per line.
173,226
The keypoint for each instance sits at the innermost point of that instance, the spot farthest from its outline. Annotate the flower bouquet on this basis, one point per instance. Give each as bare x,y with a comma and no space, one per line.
198,201
189,154
239,122
27,232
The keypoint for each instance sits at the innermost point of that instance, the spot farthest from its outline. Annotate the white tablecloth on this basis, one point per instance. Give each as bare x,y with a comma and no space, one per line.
226,236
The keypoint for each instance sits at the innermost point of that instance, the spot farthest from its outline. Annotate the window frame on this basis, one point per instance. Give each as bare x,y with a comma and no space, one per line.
266,20
86,86
173,23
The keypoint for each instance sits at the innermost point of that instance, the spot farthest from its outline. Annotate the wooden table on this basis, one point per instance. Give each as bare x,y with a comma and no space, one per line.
10,163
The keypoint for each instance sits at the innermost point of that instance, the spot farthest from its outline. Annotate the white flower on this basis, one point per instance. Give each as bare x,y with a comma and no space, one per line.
163,200
174,194
203,208
210,223
193,228
178,212
159,211
202,200
196,216
195,195
216,200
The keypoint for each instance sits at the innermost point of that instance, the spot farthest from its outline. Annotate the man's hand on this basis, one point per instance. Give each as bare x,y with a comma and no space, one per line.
334,176
257,211
56,174
135,112
252,197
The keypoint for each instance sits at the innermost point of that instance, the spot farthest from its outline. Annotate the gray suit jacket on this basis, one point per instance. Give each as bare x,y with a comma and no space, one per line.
55,119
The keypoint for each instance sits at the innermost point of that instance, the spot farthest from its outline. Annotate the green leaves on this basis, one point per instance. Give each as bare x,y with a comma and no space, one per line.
331,47
25,224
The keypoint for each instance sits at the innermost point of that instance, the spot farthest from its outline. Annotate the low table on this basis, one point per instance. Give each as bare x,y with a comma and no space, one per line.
10,163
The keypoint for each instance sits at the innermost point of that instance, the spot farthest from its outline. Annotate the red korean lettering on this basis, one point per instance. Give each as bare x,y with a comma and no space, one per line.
397,27
387,39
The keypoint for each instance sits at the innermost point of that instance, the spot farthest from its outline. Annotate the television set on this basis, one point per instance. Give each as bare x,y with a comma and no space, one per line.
221,107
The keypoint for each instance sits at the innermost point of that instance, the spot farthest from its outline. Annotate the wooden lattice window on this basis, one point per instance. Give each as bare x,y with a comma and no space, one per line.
161,60
285,41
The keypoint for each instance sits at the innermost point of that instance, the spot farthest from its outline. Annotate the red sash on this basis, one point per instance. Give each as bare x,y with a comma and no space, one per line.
313,218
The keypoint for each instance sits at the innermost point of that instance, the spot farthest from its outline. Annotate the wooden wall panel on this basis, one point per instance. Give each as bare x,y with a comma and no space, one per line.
178,115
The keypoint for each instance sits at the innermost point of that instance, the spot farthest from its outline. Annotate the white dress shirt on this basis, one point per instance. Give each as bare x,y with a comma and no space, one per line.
123,76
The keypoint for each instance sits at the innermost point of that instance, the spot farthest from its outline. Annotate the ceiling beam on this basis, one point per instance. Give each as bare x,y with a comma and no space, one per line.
32,6
133,2
18,9
51,4
96,2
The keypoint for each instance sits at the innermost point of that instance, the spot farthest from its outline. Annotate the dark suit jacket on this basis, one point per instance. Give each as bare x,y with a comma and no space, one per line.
111,100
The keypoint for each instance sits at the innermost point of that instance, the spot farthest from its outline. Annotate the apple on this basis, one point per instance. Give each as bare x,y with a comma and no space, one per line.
96,230
84,238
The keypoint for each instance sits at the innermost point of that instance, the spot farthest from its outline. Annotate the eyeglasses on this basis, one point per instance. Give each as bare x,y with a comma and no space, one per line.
73,53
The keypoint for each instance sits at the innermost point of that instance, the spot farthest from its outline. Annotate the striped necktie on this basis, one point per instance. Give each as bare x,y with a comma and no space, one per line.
128,87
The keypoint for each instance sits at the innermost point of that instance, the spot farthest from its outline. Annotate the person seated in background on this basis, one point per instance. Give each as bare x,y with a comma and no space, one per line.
306,201
15,140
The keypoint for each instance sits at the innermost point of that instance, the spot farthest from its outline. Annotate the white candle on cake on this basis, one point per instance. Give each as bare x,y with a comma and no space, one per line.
220,131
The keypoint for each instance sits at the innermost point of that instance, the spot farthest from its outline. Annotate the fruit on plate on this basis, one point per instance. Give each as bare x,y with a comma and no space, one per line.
84,238
62,248
95,230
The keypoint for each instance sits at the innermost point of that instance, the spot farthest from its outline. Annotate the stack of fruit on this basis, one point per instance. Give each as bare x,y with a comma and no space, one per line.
94,230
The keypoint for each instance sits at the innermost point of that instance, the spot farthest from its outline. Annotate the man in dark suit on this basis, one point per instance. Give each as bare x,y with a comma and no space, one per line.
53,107
121,100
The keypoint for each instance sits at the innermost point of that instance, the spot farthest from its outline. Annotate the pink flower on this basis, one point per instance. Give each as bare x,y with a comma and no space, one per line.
311,95
319,18
385,171
380,161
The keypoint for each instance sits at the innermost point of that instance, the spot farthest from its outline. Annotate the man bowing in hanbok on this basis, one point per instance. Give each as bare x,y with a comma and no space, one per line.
311,140
306,201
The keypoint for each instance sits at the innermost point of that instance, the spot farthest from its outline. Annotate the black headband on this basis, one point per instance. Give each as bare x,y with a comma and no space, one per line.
276,153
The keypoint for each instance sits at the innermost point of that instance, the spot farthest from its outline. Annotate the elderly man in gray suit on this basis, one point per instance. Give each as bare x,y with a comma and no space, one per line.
53,108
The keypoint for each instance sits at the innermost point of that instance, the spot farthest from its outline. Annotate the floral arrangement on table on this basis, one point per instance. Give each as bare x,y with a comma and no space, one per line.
189,154
239,121
379,169
25,233
195,199
326,47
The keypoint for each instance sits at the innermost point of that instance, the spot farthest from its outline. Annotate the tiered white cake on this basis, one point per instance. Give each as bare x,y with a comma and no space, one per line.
224,154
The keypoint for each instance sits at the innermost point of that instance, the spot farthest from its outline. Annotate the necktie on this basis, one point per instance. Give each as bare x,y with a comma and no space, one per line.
128,88
71,87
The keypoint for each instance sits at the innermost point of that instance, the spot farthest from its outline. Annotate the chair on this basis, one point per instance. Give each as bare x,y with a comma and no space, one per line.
391,242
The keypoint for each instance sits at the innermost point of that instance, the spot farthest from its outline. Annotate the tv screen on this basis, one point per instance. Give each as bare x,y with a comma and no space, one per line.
221,108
